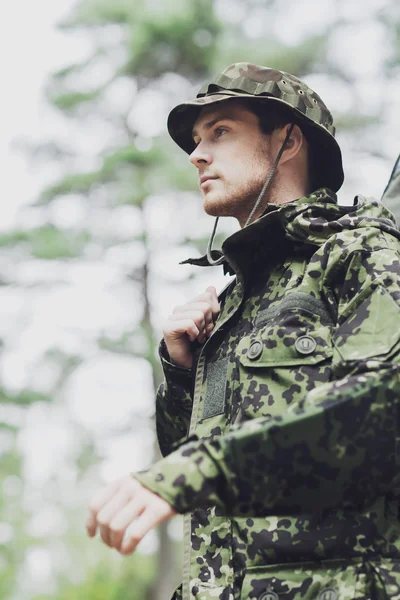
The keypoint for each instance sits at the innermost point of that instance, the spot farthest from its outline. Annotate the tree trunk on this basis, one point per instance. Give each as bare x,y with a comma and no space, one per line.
166,572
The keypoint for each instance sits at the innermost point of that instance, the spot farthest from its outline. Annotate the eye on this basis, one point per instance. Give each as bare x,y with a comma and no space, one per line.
220,131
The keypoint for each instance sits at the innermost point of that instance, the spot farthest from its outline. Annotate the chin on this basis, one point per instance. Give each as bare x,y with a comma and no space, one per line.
218,207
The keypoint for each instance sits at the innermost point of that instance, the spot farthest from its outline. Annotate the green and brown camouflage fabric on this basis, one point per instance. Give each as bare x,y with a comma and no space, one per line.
281,447
264,84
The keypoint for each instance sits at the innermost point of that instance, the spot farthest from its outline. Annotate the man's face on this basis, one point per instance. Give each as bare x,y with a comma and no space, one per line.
232,157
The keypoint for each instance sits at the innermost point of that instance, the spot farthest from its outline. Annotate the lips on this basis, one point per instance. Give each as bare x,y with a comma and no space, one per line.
205,178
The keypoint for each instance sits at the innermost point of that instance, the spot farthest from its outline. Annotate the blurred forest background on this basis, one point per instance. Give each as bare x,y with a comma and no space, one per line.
90,266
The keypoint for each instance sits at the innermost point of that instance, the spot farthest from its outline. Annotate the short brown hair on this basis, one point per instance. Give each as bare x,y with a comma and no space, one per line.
271,116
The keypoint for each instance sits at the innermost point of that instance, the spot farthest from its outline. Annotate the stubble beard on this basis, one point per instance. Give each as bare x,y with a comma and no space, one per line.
239,201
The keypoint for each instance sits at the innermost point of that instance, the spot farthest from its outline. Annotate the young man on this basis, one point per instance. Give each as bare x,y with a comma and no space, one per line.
278,418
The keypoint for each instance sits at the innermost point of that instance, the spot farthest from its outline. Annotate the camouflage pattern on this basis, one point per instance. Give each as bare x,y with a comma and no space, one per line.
245,80
281,445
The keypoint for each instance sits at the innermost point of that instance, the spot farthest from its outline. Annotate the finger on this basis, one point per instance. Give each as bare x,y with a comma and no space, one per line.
149,518
205,333
199,325
125,518
104,531
114,505
107,513
197,316
175,330
127,514
97,503
204,307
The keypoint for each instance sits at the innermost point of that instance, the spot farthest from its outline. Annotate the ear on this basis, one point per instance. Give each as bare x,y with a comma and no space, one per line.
294,144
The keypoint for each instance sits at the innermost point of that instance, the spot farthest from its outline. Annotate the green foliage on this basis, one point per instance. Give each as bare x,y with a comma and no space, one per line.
87,457
69,101
7,427
302,58
68,98
173,41
79,183
352,122
93,13
24,397
47,242
131,156
105,583
179,38
10,463
59,76
7,575
125,163
299,59
129,343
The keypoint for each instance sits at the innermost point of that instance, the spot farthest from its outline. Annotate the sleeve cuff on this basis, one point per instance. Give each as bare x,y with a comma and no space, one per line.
173,373
188,478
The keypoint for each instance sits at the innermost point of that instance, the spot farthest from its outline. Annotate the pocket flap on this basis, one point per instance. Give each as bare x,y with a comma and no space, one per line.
326,580
294,331
285,347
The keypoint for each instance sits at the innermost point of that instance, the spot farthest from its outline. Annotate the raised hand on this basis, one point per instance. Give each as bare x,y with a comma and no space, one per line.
193,321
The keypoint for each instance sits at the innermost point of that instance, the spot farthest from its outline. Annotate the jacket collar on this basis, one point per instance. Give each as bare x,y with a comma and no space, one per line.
268,235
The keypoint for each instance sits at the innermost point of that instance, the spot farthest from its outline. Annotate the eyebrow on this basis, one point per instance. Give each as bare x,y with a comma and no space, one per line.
212,123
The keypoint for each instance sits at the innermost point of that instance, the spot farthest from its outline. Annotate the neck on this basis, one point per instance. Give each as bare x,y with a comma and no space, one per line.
287,192
280,191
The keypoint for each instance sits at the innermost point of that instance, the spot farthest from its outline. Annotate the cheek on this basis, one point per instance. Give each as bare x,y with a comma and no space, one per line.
242,163
247,169
238,165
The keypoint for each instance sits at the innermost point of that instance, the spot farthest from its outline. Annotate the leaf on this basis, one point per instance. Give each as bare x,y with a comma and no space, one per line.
48,242
69,101
23,398
124,163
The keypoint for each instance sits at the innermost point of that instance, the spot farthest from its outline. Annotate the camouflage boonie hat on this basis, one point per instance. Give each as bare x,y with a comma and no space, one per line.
244,80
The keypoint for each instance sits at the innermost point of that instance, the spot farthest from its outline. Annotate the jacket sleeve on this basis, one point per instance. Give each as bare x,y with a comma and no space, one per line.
173,403
338,447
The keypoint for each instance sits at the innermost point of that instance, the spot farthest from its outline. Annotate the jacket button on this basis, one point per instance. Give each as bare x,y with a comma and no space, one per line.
255,350
305,345
328,594
269,595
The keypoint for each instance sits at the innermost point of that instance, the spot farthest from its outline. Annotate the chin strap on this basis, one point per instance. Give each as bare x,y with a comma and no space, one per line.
210,259
271,174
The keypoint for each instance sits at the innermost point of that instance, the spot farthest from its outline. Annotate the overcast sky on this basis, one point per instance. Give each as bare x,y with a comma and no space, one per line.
30,48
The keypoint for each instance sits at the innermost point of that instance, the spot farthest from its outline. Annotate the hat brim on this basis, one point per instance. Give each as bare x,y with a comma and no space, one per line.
326,154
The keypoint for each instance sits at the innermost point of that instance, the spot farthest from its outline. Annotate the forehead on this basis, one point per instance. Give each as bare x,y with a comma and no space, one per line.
231,109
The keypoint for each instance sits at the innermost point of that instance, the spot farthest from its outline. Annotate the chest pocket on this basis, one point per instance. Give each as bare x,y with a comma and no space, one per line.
326,580
288,353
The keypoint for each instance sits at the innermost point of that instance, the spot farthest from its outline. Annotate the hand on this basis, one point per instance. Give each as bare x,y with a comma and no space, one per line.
121,503
192,321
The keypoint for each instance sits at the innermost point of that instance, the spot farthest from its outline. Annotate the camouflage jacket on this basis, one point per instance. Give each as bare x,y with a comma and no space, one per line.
281,446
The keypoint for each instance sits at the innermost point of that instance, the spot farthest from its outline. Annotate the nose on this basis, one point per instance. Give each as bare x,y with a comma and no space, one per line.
200,156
